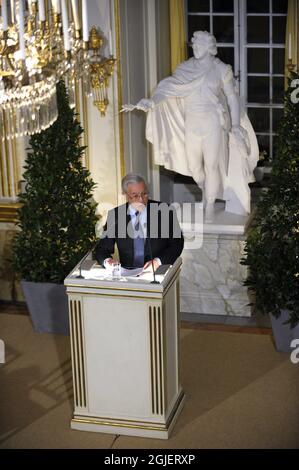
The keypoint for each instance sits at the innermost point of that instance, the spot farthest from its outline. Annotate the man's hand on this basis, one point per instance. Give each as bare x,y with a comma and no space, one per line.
149,264
109,262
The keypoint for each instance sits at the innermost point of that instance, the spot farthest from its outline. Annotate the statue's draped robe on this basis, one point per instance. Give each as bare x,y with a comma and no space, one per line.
166,129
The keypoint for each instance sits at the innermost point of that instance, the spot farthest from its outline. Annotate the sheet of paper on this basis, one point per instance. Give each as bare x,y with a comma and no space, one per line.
101,274
95,273
148,276
131,272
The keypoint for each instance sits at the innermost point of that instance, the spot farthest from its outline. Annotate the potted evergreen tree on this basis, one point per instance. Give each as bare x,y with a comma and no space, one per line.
56,220
272,247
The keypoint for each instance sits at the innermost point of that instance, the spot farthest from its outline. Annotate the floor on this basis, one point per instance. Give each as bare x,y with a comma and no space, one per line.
256,324
240,393
257,320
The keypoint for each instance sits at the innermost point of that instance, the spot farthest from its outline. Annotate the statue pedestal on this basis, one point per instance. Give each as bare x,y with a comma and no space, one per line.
212,276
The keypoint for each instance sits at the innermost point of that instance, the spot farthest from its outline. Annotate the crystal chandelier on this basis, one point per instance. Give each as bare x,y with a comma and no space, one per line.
37,49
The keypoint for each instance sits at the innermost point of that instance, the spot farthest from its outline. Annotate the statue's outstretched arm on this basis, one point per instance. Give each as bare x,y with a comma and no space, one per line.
144,105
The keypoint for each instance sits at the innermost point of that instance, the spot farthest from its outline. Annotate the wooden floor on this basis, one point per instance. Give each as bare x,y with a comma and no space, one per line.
21,309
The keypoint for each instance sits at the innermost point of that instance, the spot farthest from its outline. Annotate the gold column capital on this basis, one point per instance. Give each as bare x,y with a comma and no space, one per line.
8,212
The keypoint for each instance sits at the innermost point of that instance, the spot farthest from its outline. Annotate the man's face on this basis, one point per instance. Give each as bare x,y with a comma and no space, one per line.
200,50
137,196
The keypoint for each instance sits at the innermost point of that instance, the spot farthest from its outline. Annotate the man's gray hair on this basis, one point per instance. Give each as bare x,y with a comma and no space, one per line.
131,178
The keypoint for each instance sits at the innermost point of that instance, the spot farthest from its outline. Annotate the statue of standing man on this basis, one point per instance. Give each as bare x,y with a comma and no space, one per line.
196,128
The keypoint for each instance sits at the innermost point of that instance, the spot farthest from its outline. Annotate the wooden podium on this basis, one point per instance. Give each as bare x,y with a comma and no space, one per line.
125,353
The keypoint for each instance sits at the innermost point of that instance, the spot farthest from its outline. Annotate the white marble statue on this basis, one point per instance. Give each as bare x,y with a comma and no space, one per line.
197,129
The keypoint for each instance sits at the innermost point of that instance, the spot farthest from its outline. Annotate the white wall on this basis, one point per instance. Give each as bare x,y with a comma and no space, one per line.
133,69
103,132
139,78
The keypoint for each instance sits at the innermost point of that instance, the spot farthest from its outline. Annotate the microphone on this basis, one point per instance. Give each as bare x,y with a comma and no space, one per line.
151,256
80,276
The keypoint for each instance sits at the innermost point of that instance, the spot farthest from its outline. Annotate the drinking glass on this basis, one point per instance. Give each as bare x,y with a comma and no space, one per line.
116,271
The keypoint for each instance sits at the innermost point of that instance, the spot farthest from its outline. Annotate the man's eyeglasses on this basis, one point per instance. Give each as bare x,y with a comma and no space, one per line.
136,196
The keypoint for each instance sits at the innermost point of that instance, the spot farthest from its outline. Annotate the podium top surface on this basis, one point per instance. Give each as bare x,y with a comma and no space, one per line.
97,277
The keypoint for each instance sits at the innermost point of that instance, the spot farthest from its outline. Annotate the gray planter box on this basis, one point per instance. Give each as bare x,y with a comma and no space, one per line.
48,306
283,334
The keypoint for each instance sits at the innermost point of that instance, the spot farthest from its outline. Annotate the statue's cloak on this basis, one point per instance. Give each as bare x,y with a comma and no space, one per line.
165,129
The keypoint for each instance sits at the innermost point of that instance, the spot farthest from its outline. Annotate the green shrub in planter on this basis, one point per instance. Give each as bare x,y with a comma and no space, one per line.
57,218
272,248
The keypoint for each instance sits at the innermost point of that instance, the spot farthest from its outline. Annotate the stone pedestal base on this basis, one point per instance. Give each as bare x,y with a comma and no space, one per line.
212,276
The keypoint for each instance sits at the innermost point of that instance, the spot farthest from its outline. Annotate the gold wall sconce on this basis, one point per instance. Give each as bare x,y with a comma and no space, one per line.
101,69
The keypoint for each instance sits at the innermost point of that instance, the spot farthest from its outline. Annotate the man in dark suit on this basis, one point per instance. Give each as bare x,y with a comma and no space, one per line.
142,229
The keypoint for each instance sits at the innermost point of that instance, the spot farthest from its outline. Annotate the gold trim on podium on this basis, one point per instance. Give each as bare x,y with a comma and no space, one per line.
117,295
78,353
120,422
151,356
156,354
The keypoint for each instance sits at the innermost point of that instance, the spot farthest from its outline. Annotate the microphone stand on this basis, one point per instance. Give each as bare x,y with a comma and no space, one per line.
151,255
154,281
80,266
80,276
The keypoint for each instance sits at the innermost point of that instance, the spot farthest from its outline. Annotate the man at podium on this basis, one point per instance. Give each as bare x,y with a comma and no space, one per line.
144,231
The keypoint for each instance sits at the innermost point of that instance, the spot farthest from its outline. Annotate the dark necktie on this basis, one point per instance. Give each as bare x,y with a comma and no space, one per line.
138,243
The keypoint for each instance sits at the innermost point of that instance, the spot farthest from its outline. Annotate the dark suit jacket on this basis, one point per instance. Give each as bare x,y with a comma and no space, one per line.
164,244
